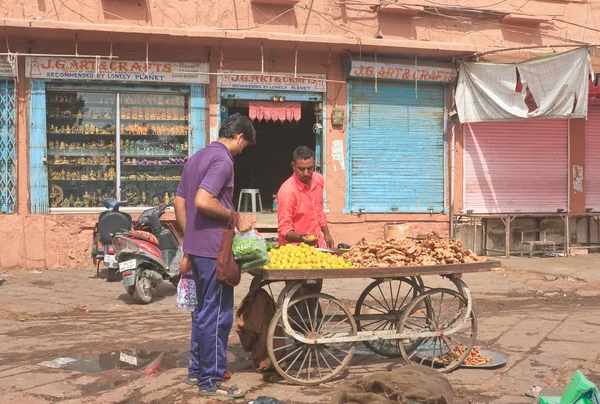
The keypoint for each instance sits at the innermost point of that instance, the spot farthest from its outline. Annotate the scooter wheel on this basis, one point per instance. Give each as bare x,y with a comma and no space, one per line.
143,289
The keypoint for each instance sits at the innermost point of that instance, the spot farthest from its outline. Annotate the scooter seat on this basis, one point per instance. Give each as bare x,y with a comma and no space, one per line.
113,204
144,235
109,223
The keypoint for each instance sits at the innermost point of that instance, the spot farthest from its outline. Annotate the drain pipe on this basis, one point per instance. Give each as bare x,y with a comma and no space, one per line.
452,151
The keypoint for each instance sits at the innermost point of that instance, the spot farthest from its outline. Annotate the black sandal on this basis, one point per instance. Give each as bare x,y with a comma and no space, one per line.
191,381
213,391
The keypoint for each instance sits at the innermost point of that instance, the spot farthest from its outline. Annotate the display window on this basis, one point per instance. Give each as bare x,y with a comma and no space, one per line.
127,145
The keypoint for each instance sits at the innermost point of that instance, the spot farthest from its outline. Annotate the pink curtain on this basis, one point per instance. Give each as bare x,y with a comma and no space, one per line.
275,111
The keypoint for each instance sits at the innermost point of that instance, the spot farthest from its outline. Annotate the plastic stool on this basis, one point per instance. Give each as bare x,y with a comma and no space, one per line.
253,194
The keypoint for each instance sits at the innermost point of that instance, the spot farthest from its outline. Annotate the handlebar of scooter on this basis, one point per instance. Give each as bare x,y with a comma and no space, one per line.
143,219
163,207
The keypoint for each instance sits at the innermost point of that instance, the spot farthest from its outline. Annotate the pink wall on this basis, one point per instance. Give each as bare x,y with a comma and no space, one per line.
245,19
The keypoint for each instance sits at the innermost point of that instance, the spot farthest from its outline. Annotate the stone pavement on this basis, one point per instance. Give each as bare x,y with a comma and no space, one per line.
543,313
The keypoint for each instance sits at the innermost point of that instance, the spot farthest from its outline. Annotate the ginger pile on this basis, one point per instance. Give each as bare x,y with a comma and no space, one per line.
400,253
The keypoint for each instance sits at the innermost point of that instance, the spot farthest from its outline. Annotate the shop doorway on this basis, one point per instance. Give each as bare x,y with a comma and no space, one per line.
266,165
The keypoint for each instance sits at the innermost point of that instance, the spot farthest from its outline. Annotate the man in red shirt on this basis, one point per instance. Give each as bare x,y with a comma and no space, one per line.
300,214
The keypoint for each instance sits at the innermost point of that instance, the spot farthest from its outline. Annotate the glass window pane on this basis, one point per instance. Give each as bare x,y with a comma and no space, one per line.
154,146
81,133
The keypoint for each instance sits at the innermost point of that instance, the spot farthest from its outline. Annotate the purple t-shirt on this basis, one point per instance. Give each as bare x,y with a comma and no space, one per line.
212,170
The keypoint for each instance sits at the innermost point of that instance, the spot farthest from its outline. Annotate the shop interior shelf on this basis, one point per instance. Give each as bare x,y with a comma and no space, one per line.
80,134
152,105
128,135
150,136
80,165
152,120
81,152
82,104
86,119
155,166
51,180
148,180
141,153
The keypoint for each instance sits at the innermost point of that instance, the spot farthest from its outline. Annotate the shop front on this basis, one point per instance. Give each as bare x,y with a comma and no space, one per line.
8,178
396,138
516,167
592,148
287,112
119,129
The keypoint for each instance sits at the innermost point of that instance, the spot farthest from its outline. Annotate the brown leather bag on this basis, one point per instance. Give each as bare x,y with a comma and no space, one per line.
228,271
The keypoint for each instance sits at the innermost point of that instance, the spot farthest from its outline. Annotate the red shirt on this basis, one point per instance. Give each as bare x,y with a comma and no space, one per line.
300,208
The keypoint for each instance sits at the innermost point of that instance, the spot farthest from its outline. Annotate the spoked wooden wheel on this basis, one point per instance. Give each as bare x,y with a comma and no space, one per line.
455,329
312,316
380,308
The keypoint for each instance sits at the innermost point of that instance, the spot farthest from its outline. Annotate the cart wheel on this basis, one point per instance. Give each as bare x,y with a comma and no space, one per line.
419,281
387,299
313,316
448,317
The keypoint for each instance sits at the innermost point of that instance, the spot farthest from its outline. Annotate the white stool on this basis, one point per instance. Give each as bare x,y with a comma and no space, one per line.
252,194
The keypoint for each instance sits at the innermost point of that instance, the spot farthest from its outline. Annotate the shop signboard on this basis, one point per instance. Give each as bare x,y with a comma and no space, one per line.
57,68
6,69
272,81
390,71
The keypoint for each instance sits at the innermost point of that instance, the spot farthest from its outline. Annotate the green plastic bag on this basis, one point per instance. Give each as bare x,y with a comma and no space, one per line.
579,391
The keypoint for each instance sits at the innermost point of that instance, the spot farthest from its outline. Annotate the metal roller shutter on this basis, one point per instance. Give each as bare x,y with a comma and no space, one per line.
592,159
516,166
396,147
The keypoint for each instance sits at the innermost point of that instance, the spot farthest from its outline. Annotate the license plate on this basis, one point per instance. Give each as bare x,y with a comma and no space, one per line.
125,265
110,259
132,360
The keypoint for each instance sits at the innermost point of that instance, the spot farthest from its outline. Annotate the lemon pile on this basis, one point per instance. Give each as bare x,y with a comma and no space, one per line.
304,256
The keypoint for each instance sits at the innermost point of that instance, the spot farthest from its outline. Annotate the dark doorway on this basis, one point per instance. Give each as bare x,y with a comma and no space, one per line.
266,165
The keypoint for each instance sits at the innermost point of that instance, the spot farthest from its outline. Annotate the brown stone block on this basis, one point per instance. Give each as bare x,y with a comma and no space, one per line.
12,248
35,241
52,239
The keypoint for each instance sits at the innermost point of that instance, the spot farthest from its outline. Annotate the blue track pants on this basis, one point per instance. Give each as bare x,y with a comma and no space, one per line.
211,324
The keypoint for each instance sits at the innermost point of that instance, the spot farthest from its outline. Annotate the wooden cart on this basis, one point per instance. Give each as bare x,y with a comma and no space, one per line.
312,336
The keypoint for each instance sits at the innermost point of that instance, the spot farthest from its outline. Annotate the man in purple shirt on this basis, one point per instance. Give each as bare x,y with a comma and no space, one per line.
202,208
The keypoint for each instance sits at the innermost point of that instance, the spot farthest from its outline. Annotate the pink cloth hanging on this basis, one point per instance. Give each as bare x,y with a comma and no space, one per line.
275,111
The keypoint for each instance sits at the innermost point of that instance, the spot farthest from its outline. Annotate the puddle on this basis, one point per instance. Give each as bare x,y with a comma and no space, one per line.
129,359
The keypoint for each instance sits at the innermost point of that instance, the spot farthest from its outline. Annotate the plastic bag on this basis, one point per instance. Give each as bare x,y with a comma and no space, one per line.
579,391
266,400
248,246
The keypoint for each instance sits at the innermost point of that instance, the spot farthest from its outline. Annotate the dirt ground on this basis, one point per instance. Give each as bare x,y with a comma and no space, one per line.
542,312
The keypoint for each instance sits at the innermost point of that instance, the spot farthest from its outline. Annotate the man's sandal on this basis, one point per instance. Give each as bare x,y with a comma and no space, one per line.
214,391
192,381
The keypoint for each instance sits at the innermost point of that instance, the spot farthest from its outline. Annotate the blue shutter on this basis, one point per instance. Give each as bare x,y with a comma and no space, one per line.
8,169
396,147
197,118
38,172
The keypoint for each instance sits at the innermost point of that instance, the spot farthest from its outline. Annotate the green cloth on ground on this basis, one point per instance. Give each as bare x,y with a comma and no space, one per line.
579,391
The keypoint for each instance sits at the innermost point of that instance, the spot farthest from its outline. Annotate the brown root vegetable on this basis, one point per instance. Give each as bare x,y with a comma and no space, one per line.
398,253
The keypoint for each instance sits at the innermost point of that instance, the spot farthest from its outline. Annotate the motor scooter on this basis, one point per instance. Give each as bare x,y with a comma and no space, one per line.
148,254
109,223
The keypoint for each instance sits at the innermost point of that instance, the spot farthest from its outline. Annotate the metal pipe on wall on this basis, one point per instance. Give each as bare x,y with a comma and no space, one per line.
451,182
